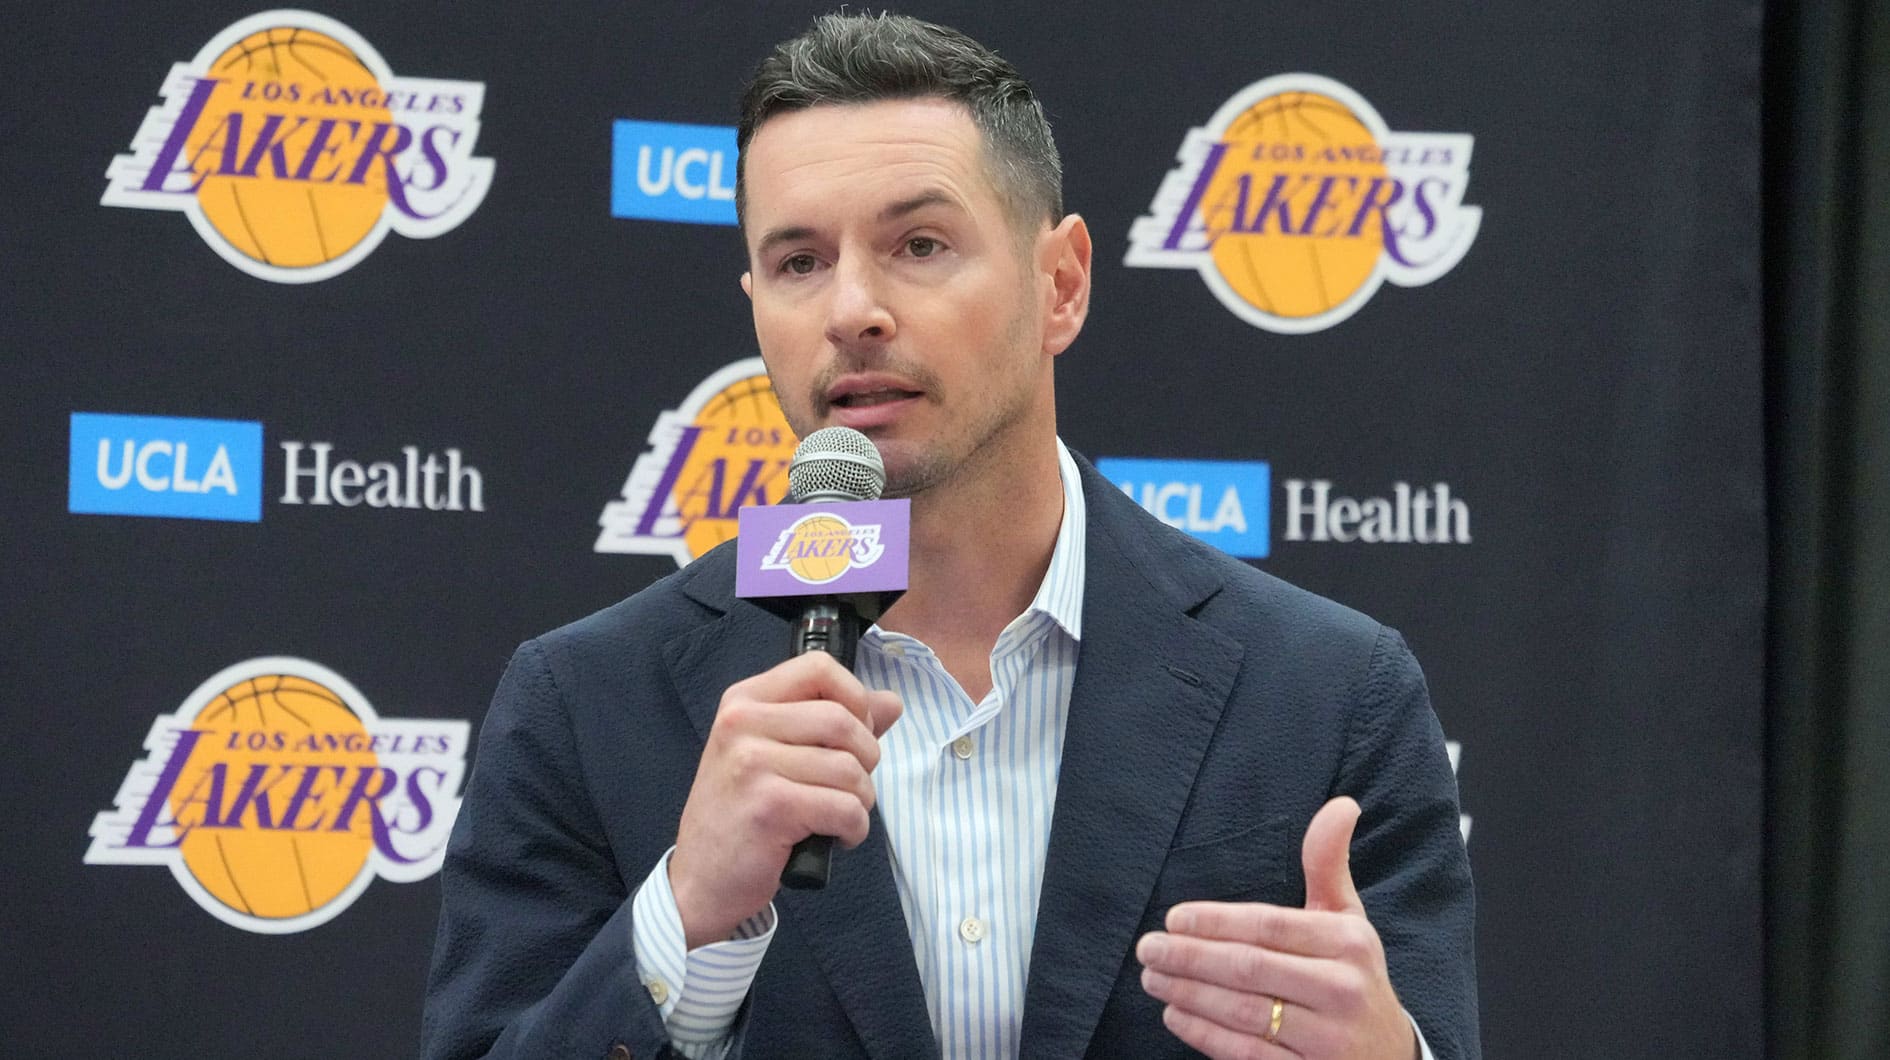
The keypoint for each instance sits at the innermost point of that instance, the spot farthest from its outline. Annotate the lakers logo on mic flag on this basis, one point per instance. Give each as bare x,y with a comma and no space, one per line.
832,547
824,546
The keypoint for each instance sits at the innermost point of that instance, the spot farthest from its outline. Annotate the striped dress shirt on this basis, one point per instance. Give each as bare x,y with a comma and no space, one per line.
966,791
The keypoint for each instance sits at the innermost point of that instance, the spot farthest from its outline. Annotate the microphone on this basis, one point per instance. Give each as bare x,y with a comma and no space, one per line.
831,464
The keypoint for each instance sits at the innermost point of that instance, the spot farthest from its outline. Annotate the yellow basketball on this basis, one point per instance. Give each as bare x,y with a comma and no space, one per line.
270,216
830,535
270,872
740,456
1293,275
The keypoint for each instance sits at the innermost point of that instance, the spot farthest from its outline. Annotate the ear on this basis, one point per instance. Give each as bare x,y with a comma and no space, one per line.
1063,259
748,284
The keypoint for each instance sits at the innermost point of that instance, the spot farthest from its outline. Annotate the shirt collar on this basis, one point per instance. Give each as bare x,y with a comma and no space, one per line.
1061,595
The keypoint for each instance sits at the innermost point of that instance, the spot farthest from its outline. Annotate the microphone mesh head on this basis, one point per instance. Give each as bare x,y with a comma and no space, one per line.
836,464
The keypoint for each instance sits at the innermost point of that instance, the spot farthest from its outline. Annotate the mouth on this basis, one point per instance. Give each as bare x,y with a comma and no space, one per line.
864,399
870,401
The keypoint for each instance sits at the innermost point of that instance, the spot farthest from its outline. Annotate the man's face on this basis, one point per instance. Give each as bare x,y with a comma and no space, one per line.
892,292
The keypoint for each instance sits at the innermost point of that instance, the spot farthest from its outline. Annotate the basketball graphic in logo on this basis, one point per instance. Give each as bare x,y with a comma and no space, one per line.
824,553
1277,270
742,436
286,223
726,446
266,861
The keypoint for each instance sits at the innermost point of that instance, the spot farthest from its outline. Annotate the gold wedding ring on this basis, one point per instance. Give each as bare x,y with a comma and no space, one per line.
1279,1016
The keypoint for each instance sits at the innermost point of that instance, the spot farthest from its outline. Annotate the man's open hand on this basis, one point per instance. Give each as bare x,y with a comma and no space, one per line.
1246,981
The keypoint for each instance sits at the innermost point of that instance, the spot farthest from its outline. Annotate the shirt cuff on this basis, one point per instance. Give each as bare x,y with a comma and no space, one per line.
1423,1047
699,991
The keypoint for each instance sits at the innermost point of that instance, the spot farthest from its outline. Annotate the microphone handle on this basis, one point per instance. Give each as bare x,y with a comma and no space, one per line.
832,625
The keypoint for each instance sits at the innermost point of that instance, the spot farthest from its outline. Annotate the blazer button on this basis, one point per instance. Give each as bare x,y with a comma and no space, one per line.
620,1051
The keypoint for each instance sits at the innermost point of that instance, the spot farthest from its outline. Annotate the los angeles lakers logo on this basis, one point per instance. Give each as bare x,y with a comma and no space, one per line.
275,795
726,446
1296,201
822,547
294,150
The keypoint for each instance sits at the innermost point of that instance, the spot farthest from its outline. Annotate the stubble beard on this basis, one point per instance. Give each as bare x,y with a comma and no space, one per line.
941,464
988,441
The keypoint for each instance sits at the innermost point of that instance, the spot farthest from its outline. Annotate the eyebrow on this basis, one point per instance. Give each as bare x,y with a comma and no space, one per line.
932,197
782,235
892,212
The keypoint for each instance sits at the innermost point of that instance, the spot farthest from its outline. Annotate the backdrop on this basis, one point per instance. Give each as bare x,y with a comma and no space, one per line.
346,349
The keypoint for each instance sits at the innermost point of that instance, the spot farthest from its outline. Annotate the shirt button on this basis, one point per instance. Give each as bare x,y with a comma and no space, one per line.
971,929
620,1051
962,748
895,649
659,991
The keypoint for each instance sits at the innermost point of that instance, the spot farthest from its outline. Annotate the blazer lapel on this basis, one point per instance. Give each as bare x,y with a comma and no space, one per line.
858,935
1150,686
704,661
854,927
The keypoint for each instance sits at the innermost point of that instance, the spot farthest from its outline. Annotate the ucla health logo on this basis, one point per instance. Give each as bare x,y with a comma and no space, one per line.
294,149
1296,201
212,469
665,172
275,794
726,446
165,466
821,547
1222,502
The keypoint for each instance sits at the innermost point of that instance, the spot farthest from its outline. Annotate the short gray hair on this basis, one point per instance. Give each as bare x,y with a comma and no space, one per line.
866,58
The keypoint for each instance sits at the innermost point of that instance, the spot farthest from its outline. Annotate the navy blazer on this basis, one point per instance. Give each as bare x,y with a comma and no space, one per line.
1215,709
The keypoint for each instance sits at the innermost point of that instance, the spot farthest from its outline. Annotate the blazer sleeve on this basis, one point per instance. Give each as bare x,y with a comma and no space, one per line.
534,956
1408,857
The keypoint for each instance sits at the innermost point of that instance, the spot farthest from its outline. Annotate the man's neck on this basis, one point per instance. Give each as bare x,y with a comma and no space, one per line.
979,554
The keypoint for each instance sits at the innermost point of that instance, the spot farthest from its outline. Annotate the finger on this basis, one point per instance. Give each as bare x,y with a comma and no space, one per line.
886,709
1326,856
813,675
1310,933
781,813
1314,982
837,814
1301,1029
815,723
1220,1042
823,767
1236,1010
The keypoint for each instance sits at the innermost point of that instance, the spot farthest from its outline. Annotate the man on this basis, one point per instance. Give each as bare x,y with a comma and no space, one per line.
1076,759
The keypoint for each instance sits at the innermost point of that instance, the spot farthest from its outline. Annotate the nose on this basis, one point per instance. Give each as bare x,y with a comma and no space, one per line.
858,311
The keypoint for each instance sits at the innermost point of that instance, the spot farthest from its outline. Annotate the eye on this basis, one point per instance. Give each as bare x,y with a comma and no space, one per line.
923,246
799,264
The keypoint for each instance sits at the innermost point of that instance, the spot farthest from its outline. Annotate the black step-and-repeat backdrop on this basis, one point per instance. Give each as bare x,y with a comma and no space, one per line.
346,348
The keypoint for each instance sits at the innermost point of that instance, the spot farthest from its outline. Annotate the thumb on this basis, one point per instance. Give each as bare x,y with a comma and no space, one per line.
886,709
1327,858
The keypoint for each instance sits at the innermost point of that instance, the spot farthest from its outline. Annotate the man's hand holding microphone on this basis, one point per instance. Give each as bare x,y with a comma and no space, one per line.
790,756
